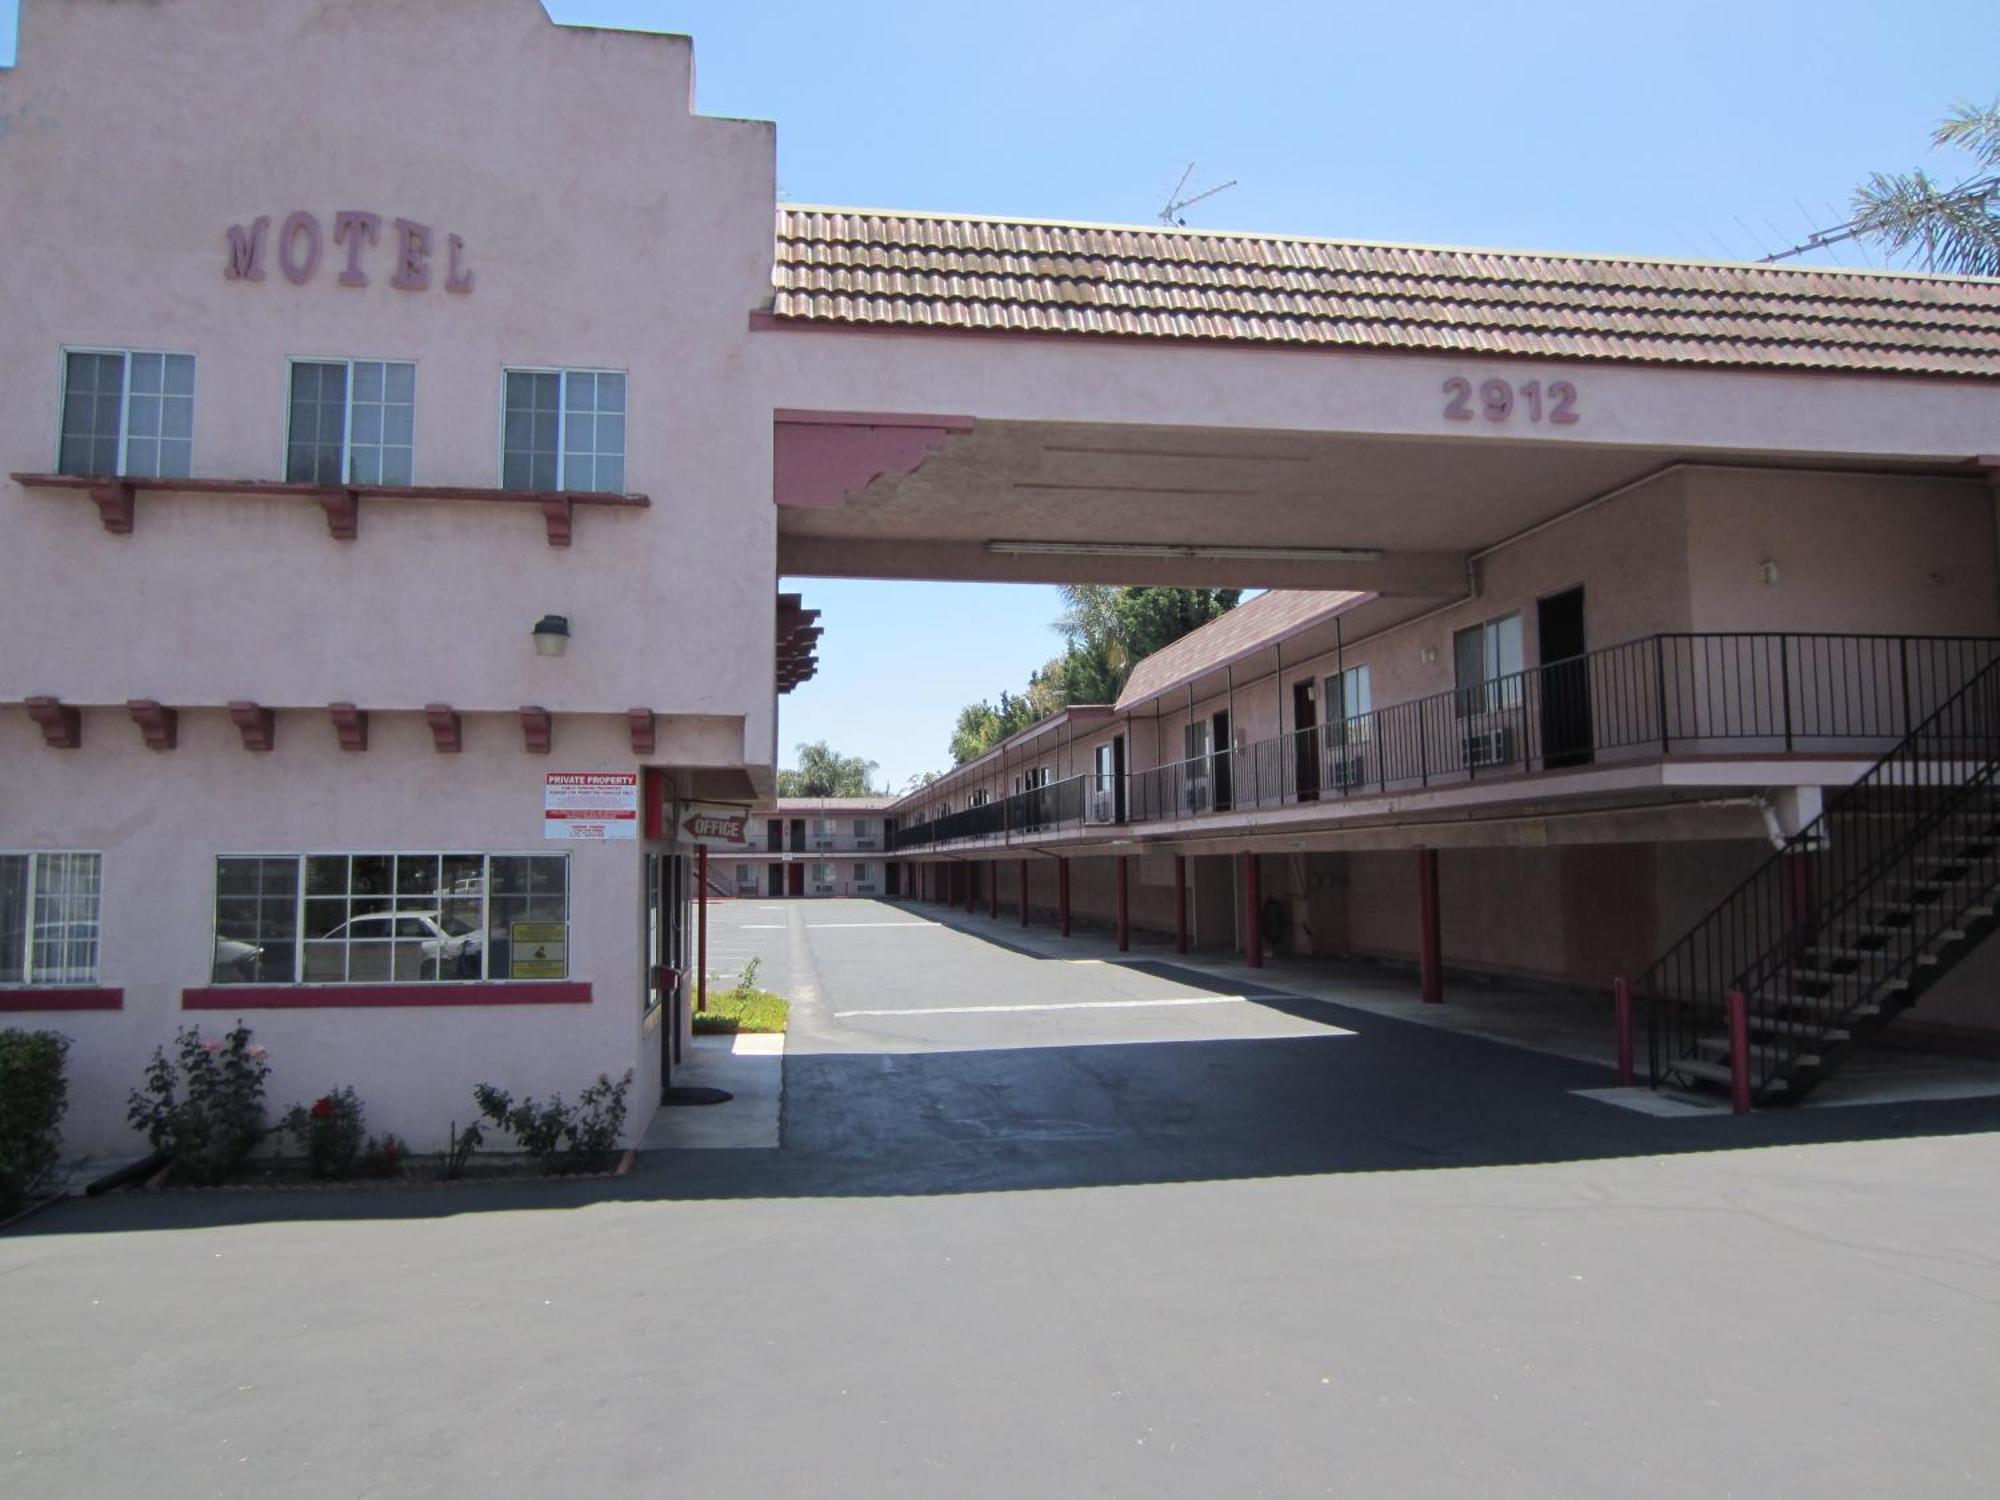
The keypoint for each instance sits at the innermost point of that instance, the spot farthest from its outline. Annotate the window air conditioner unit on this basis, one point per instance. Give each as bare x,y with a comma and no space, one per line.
822,843
864,843
1346,771
1489,747
1195,795
1101,806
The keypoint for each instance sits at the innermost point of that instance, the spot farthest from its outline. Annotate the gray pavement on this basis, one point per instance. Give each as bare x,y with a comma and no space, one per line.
1165,1233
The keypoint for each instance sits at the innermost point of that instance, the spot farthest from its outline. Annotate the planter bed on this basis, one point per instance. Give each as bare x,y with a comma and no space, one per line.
291,1175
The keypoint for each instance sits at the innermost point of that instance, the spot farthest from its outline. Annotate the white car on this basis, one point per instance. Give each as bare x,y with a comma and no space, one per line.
396,945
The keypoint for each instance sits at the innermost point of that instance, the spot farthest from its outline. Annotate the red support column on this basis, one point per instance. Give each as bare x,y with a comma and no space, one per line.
1621,1004
1739,1052
1253,934
701,928
993,888
1430,951
971,886
1124,909
1062,893
1024,893
1180,903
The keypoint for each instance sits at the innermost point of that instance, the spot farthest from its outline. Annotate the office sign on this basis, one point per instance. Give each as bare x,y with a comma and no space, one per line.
715,827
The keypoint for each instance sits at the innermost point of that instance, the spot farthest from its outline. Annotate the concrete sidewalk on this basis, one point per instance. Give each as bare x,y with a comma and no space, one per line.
749,1065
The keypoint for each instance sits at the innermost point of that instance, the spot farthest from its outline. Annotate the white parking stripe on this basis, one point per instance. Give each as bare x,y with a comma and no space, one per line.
981,1010
934,926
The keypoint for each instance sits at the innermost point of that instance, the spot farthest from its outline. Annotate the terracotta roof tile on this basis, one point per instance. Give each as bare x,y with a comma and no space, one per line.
1250,627
872,267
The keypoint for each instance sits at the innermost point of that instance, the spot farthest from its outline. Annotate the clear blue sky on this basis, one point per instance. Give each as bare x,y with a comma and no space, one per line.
1689,129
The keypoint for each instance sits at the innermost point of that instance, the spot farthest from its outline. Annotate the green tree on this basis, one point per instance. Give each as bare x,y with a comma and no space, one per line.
824,772
1151,618
1953,229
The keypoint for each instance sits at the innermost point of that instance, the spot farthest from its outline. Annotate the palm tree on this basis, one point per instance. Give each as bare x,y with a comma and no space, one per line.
825,772
1953,229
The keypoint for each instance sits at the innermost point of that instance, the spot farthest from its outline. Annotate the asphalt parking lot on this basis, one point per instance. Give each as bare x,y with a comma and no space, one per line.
1044,1227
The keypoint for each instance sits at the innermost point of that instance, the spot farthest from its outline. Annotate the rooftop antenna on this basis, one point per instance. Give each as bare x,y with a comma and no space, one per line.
1172,215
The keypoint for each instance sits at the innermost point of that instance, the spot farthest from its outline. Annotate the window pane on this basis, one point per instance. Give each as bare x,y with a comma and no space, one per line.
13,916
379,447
529,449
91,393
256,921
319,422
594,440
65,919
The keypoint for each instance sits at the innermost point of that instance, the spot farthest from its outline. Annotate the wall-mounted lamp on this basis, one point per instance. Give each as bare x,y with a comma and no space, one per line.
1429,654
1768,570
552,635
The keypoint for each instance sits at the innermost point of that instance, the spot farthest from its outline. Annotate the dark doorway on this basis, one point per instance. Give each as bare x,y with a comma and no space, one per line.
1305,742
1565,680
798,835
892,879
1118,779
774,880
774,835
796,885
1223,759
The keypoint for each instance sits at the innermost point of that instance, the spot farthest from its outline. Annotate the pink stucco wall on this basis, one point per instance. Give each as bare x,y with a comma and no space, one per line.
608,228
161,818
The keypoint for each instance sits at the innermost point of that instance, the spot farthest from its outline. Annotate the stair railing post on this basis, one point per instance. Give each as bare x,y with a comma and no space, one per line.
1739,1052
1660,689
1621,1003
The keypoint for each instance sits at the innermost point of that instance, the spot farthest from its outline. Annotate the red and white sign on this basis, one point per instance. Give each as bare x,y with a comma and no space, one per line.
592,805
717,827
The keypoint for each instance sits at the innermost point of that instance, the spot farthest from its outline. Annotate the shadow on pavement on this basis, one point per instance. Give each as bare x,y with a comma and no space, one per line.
1391,1096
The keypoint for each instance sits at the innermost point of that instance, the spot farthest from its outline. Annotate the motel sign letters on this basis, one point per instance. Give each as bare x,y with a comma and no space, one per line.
301,243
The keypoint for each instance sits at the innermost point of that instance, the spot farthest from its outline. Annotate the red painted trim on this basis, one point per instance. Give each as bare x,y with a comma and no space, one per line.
62,728
1739,1052
993,888
350,725
28,999
1180,904
382,996
643,736
1253,901
1024,893
159,726
1062,893
653,793
701,928
257,725
870,419
1621,1008
1124,908
1430,952
537,729
444,724
114,505
343,513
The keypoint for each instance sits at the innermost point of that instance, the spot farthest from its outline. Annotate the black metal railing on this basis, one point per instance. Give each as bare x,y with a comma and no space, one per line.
1821,932
1686,694
1052,808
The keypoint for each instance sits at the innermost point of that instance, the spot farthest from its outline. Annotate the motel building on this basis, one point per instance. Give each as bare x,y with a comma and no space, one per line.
401,464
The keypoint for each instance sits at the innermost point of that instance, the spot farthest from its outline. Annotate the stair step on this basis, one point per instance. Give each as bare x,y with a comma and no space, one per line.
1718,1046
1780,1027
1695,1067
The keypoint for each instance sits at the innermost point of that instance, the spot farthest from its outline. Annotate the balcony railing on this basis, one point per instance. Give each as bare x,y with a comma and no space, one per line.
1659,696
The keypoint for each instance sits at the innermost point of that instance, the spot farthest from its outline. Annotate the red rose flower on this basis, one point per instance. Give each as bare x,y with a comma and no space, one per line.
323,1109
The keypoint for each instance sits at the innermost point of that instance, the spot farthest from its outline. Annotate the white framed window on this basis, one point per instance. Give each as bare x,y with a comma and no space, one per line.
563,430
127,412
1350,699
351,421
48,917
1481,656
402,918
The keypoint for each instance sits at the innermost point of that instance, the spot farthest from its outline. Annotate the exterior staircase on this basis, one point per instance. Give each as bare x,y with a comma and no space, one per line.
1849,922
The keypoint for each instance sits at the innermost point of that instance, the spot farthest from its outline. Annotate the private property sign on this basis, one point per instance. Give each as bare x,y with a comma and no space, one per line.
591,805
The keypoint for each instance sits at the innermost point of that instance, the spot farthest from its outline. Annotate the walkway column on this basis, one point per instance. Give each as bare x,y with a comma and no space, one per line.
1124,912
1062,893
701,927
993,888
1180,903
1430,952
1253,934
1024,893
971,886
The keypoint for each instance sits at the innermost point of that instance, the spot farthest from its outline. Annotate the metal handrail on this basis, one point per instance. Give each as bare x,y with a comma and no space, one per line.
1824,931
1685,693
